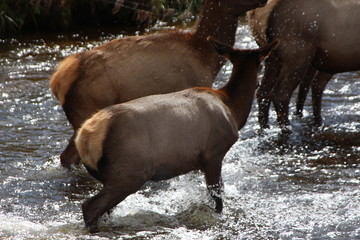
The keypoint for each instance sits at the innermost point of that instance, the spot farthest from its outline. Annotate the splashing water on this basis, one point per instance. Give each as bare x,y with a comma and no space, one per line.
275,186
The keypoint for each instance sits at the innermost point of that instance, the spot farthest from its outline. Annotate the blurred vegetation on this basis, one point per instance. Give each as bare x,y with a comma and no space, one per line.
34,16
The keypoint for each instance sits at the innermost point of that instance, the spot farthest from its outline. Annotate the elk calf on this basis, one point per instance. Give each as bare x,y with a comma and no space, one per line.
162,136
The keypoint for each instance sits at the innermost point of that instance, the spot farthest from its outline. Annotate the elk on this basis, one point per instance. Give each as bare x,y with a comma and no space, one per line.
161,136
318,39
137,66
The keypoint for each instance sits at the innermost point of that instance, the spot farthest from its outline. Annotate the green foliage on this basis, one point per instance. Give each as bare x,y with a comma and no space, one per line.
183,6
192,6
17,16
9,23
32,15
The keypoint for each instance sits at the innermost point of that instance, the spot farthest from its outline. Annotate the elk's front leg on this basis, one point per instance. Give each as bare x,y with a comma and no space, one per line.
317,87
214,184
303,91
272,70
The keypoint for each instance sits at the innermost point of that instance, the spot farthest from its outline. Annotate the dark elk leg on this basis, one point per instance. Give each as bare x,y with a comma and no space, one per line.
116,189
303,91
214,184
317,87
70,155
101,203
272,70
120,177
289,79
78,107
215,192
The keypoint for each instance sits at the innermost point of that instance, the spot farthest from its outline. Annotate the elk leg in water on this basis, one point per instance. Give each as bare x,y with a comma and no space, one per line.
70,154
293,70
214,184
272,71
317,88
303,91
108,198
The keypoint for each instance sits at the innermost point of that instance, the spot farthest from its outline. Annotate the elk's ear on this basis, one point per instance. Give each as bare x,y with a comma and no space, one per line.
221,48
267,49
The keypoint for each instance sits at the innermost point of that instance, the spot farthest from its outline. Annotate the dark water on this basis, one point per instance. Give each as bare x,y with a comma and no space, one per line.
299,186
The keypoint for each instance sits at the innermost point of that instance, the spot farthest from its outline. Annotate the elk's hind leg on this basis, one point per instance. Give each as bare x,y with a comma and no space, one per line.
70,155
317,87
304,87
106,199
99,204
272,71
80,105
290,76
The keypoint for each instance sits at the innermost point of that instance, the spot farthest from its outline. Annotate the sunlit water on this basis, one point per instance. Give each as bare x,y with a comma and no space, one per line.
298,186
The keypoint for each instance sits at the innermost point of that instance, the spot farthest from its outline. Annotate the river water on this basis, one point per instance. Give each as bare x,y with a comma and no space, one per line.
297,186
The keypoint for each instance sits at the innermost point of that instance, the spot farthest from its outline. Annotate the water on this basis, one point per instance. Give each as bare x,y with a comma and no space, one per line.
298,186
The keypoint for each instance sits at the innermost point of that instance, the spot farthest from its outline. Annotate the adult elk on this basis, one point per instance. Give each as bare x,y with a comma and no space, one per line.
317,39
137,66
162,136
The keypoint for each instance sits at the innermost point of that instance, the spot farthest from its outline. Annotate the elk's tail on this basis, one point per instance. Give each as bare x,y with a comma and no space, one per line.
65,75
90,139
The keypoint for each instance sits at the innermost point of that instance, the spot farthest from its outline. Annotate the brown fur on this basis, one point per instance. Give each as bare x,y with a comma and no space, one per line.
90,138
259,22
65,75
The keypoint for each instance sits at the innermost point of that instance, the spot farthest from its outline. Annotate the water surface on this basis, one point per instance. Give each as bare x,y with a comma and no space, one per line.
297,186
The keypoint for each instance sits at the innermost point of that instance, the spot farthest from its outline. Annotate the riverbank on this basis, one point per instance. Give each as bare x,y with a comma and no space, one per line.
41,16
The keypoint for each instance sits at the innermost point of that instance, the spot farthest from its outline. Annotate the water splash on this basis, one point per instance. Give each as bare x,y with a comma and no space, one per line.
275,186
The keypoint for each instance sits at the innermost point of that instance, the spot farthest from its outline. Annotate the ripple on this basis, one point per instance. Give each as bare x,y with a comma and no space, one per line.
302,185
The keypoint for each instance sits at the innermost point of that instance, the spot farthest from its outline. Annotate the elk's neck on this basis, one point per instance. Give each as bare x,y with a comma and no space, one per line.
239,92
216,21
